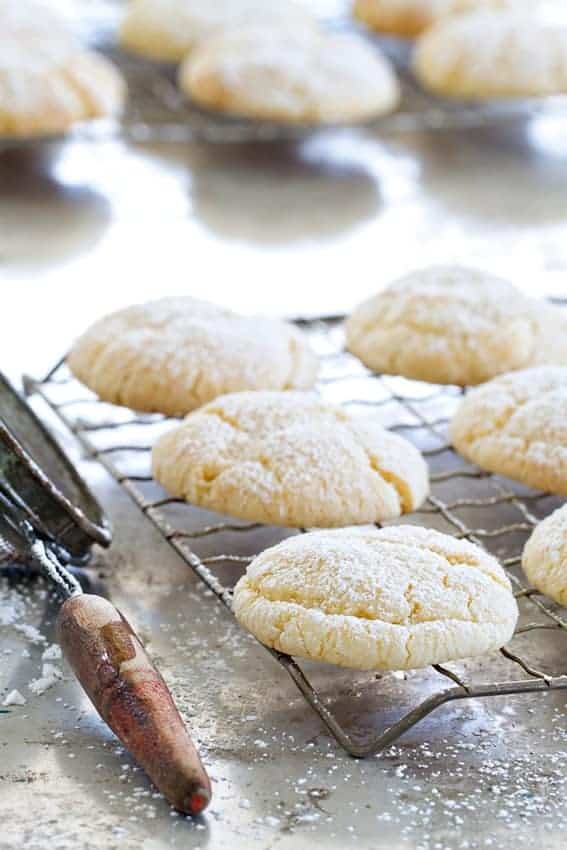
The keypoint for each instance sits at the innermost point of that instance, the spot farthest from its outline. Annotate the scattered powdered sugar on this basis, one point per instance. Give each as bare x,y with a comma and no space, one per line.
50,675
30,632
14,698
13,611
11,606
52,653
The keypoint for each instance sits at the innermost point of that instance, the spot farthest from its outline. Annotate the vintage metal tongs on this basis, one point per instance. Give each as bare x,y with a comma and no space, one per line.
48,520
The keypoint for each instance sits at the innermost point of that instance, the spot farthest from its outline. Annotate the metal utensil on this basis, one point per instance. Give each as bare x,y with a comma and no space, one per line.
49,519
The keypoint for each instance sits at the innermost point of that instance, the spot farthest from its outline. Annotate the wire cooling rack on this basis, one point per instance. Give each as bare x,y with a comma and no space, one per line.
466,502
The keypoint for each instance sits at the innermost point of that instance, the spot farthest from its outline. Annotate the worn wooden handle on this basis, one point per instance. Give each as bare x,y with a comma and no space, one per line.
131,696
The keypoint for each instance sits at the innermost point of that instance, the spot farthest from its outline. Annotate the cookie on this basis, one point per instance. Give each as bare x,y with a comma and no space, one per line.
168,30
390,599
49,82
33,20
551,348
409,18
446,325
494,55
516,425
290,459
544,559
290,75
173,355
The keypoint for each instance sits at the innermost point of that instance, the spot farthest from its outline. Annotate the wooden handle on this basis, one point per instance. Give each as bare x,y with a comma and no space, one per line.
131,696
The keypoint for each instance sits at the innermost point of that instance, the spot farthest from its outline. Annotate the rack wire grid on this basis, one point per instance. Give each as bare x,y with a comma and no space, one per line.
494,513
157,111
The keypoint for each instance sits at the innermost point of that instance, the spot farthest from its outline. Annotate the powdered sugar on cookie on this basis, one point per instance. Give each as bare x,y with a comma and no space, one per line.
516,425
290,459
394,598
544,559
175,354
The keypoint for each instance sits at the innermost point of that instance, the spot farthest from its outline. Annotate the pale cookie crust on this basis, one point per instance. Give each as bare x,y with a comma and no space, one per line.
49,84
516,425
172,355
168,30
552,340
493,55
33,20
290,459
446,325
544,559
390,599
408,18
291,75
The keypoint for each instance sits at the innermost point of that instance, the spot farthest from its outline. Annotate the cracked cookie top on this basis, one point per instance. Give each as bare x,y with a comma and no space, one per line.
516,425
453,325
173,355
290,459
394,598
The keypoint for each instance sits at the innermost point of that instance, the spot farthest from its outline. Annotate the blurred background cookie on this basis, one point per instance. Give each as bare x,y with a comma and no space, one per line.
291,75
408,18
167,30
48,80
494,55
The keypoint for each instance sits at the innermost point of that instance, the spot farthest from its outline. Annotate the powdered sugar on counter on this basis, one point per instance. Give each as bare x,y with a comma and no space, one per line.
14,698
30,632
11,606
50,675
52,653
15,609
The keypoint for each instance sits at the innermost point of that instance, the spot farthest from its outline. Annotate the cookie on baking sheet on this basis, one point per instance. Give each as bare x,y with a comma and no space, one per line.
446,325
290,75
290,459
408,18
544,559
390,599
167,30
494,55
48,81
516,425
172,355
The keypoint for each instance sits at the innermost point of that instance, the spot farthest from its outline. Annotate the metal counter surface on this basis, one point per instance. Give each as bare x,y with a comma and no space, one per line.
292,229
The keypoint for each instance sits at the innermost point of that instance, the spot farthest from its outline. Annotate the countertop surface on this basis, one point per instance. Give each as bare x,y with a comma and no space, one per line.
295,229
